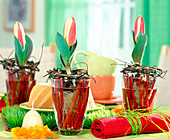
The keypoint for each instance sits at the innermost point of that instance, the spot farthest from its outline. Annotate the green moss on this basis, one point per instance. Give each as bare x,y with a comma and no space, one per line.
101,113
14,116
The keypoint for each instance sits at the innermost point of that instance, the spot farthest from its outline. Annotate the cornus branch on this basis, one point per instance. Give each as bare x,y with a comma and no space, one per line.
41,52
1,56
75,74
152,71
11,53
10,64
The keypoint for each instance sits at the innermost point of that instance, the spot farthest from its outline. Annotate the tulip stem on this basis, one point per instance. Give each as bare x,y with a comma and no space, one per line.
68,68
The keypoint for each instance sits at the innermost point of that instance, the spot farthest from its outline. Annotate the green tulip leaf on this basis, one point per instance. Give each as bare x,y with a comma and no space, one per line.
138,51
132,33
133,37
16,59
63,48
62,61
139,36
28,48
73,47
18,52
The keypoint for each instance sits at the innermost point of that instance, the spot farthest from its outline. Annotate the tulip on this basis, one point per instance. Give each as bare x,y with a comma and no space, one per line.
19,33
69,31
23,45
139,26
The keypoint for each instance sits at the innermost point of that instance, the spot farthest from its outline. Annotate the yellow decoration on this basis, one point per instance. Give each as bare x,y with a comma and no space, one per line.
117,110
36,132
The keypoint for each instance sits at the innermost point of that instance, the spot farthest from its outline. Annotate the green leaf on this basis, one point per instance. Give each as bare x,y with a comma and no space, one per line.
139,49
63,48
62,61
139,36
133,37
28,49
16,59
18,52
73,47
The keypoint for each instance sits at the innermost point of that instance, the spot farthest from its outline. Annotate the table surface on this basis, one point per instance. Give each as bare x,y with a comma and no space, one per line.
86,134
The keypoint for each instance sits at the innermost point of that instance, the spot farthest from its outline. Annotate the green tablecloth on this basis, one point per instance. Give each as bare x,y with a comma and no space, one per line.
87,135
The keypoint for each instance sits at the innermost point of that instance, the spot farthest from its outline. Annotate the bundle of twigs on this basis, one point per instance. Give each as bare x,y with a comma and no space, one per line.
70,96
139,85
151,71
19,79
75,74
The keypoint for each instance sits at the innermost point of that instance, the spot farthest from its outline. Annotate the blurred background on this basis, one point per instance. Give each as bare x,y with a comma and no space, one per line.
103,26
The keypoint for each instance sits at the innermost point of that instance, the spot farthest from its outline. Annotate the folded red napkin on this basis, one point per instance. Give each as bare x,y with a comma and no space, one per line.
120,126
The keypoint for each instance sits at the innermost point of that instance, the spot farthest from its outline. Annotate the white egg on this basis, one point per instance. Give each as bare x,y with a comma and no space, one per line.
32,118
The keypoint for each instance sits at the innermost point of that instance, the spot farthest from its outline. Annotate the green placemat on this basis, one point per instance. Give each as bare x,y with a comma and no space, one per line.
84,135
87,135
3,133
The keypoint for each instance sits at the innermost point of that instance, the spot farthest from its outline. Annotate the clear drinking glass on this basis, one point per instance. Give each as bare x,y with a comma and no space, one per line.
138,91
19,85
70,97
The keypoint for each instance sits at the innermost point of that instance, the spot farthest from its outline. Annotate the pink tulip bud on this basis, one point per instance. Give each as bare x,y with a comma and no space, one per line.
69,31
19,33
139,26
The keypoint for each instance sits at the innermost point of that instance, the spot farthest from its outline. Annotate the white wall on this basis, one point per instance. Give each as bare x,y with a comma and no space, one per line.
37,36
